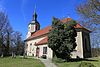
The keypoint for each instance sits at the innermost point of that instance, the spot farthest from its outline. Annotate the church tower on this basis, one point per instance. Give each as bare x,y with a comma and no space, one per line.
33,25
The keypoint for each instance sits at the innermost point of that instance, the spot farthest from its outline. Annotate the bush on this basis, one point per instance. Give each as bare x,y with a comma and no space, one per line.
85,64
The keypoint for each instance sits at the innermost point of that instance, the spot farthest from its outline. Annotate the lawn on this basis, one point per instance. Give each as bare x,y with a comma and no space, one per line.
20,62
94,61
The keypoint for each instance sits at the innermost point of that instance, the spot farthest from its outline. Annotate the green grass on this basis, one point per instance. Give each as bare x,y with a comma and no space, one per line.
20,62
68,64
94,61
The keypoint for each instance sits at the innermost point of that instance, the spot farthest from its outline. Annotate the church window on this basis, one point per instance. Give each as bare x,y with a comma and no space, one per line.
44,50
30,47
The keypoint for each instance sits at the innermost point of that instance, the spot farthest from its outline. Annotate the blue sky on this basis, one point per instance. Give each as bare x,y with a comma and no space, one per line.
20,11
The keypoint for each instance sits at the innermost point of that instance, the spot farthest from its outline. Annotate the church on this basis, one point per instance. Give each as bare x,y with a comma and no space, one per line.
36,43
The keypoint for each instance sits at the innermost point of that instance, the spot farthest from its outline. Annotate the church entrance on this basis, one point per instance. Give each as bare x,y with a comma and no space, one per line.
37,52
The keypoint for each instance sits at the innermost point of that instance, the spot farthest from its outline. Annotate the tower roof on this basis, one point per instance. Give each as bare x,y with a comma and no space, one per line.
35,14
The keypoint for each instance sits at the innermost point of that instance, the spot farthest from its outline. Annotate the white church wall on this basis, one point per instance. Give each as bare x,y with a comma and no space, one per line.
78,51
49,51
28,34
33,47
79,48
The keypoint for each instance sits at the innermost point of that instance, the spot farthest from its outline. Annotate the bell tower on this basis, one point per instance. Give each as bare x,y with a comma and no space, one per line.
33,25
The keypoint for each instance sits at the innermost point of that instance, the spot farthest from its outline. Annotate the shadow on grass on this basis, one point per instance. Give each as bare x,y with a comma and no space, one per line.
80,59
16,57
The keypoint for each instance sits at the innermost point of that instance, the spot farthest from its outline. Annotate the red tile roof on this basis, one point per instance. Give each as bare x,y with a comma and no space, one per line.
78,26
40,32
69,19
43,41
66,20
46,29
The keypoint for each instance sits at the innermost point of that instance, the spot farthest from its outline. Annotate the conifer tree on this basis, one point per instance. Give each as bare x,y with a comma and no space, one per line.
61,38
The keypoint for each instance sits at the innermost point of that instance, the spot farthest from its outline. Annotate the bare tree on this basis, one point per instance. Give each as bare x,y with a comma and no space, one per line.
3,20
3,23
10,41
18,43
89,12
8,36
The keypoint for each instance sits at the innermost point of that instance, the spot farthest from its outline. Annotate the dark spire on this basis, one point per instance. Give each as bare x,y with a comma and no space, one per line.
35,14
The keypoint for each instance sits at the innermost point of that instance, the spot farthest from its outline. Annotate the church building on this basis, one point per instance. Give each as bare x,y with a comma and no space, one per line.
36,43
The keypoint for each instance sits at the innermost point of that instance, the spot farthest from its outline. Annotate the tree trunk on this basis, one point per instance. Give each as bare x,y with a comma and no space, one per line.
2,55
13,55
